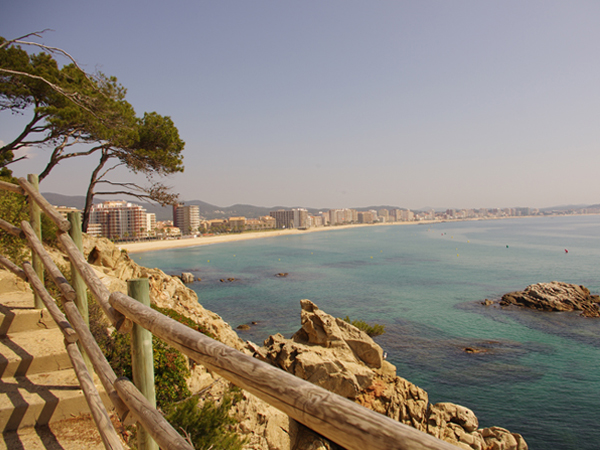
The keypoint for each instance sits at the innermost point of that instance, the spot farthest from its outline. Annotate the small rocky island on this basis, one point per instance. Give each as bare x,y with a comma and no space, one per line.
555,296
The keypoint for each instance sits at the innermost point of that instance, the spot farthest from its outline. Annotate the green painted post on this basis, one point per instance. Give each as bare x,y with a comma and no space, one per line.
35,219
142,360
77,281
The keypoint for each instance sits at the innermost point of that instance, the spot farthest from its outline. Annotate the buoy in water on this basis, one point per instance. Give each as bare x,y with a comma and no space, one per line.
566,251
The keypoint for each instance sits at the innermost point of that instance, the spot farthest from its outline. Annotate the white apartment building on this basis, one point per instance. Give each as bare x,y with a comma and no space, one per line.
186,218
118,220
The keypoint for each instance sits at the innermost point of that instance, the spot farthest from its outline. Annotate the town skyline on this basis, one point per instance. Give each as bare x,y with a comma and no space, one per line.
119,219
78,201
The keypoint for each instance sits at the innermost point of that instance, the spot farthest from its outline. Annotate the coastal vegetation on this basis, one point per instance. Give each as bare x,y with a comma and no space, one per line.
372,330
209,425
206,425
14,209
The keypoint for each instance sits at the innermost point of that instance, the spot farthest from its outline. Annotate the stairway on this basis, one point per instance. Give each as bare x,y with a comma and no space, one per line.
37,383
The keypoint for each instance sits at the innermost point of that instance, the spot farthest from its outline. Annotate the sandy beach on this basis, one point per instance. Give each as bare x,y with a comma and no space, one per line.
139,247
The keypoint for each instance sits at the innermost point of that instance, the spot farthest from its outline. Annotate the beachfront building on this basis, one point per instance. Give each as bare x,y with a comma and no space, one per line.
151,224
365,217
119,220
94,229
262,223
342,216
217,225
406,215
315,221
237,223
186,218
291,218
384,215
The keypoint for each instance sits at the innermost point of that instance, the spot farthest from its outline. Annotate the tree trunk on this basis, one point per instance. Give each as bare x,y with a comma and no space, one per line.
89,197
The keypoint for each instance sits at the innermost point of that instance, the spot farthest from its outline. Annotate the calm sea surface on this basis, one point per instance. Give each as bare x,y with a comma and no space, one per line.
425,283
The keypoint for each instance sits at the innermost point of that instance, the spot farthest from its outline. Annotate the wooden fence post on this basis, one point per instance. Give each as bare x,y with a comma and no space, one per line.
142,360
35,218
77,280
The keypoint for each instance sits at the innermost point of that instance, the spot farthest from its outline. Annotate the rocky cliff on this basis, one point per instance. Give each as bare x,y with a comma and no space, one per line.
325,351
555,296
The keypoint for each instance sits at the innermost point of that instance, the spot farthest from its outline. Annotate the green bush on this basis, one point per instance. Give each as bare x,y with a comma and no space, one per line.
209,426
170,366
13,209
371,330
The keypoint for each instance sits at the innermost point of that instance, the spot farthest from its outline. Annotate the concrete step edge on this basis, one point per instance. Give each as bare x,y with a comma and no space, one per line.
32,352
21,320
42,398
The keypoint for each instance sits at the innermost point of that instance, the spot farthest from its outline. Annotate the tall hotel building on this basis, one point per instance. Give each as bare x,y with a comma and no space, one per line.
119,219
186,218
294,218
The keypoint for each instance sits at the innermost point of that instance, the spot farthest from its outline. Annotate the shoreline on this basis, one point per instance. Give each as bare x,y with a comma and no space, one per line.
148,246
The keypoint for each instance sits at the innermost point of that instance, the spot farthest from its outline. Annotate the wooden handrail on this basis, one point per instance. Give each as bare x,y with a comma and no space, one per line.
109,436
11,187
61,282
8,264
62,223
339,419
153,421
10,228
94,284
101,366
63,324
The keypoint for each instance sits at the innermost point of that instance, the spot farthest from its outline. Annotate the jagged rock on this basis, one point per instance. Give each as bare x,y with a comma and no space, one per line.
337,356
187,277
319,328
555,296
497,438
332,369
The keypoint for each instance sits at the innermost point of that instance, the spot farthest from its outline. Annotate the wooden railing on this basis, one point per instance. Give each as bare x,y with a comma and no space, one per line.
338,419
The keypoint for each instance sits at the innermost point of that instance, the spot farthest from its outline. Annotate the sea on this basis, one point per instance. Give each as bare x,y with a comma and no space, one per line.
540,372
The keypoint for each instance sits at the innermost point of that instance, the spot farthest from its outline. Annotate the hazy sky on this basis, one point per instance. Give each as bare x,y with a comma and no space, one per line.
344,103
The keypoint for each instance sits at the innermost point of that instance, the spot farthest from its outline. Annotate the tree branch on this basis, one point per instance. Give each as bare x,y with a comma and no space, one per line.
69,96
14,145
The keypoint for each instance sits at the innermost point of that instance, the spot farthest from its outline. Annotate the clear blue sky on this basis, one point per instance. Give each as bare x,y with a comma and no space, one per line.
344,103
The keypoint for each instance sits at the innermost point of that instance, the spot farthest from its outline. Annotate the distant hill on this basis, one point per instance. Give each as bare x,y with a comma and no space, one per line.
74,201
207,211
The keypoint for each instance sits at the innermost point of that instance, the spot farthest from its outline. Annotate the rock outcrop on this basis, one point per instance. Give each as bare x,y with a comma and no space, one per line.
339,357
555,296
187,277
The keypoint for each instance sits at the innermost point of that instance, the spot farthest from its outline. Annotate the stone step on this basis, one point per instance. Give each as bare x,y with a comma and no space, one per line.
15,320
40,399
32,352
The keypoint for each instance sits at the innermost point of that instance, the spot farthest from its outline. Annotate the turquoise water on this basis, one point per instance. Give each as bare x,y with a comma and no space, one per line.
541,375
